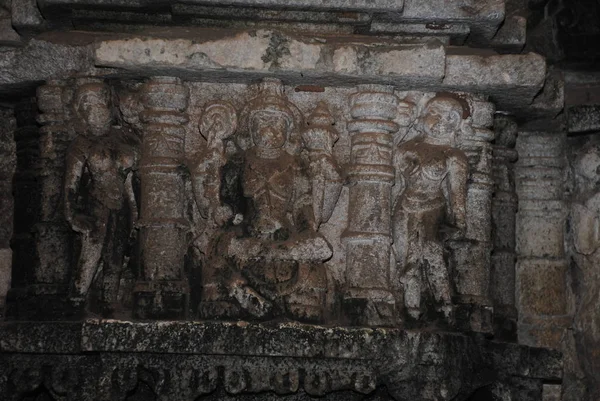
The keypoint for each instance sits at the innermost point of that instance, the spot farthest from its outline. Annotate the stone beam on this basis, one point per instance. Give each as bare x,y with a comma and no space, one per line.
511,80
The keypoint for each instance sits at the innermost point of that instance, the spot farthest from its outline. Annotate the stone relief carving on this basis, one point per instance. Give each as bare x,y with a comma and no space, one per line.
270,262
324,173
248,208
100,203
429,204
585,234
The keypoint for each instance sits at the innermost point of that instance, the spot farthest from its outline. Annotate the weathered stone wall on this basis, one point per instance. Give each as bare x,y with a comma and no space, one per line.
349,163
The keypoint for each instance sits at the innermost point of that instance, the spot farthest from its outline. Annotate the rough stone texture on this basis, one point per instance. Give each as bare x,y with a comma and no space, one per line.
121,358
281,156
268,52
512,35
582,249
583,118
40,60
26,16
504,209
526,74
541,289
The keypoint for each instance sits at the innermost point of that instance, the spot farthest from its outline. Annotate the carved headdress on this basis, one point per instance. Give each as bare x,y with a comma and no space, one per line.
271,99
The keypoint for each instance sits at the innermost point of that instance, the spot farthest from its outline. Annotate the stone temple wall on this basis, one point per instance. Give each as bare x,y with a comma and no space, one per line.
263,199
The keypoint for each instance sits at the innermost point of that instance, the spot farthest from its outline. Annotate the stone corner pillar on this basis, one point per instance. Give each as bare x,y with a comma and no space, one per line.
541,284
42,241
504,211
162,291
368,299
472,257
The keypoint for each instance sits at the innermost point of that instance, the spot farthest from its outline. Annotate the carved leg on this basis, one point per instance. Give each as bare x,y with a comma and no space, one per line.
89,258
116,245
436,274
412,290
216,301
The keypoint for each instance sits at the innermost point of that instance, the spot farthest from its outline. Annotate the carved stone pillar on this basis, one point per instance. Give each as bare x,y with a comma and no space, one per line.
472,257
55,137
504,210
162,290
42,238
368,299
541,290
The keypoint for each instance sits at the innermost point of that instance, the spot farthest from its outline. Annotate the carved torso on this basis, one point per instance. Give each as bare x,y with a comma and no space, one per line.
108,160
424,166
270,185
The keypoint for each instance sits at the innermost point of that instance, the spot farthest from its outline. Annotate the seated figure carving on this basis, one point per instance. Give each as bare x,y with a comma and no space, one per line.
429,204
100,203
269,262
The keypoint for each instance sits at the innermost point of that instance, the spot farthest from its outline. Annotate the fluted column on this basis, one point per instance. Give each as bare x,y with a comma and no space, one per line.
162,290
473,256
541,290
504,210
54,237
368,299
42,240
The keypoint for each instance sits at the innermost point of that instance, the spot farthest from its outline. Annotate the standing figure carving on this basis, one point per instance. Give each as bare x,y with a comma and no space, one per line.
324,173
585,226
270,263
100,203
217,124
429,204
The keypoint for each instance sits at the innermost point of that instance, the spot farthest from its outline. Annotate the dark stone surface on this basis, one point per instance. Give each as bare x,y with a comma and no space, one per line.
114,360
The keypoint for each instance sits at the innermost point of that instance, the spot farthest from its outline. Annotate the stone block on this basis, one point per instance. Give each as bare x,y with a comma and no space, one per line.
26,16
8,36
524,73
512,34
583,118
540,229
541,287
296,59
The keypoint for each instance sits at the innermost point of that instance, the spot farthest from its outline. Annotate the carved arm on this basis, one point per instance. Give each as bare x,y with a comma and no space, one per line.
456,190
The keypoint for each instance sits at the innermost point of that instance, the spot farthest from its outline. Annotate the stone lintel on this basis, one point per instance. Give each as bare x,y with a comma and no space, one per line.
322,60
511,80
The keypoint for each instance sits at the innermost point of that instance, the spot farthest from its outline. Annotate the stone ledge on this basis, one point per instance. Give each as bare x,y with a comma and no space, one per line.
512,81
315,359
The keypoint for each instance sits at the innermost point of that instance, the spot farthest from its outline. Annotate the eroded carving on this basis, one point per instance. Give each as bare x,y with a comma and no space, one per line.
100,203
429,204
269,263
585,232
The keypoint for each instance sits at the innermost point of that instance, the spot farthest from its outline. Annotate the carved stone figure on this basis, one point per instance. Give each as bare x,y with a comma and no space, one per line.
217,124
271,265
99,201
429,204
585,225
326,179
